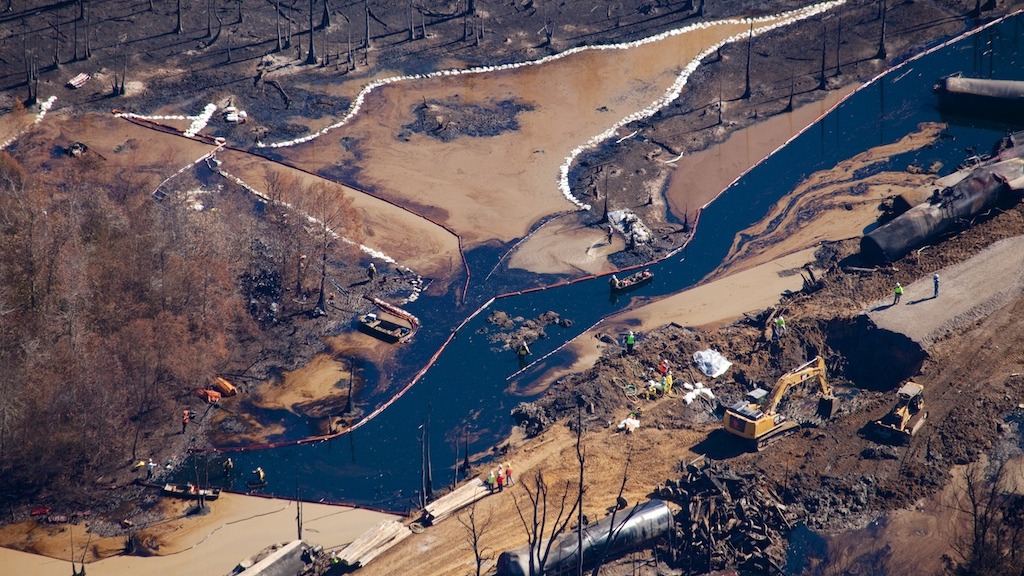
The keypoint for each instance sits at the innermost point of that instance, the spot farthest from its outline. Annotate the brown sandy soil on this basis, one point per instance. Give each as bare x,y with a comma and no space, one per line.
139,156
321,378
211,544
413,242
699,178
504,183
13,123
444,549
563,244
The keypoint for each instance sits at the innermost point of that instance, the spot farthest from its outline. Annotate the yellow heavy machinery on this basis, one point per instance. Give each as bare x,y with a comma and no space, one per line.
760,423
905,419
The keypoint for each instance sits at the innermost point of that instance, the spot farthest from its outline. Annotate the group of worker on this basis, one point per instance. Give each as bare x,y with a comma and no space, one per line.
664,386
496,482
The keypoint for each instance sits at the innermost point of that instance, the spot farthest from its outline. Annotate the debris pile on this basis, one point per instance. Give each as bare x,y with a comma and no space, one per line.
513,331
728,520
373,543
631,226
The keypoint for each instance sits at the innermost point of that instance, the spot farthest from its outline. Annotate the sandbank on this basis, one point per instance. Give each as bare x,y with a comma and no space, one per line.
566,244
237,527
700,177
410,240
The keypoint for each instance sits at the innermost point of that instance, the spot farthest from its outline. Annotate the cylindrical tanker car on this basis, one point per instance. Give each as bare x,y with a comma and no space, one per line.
633,529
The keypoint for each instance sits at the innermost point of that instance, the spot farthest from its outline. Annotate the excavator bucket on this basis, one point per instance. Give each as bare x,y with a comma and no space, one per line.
827,407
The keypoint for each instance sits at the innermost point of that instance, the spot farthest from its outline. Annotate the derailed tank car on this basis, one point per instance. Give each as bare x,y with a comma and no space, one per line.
948,210
633,529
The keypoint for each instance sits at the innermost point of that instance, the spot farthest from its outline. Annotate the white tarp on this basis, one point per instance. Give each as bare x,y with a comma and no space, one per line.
711,362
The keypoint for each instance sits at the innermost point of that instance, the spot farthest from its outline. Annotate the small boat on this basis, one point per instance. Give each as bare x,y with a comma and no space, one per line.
190,490
392,324
383,328
631,281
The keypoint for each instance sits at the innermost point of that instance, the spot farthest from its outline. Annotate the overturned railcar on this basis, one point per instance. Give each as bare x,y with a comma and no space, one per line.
634,528
945,211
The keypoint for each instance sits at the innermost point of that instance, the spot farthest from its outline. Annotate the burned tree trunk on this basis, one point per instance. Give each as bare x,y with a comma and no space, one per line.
311,56
88,29
882,54
822,84
750,40
277,7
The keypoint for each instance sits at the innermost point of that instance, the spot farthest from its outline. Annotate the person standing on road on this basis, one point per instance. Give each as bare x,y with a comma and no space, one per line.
611,232
897,292
150,466
935,281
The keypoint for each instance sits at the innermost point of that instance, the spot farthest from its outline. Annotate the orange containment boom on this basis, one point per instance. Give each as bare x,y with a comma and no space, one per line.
224,387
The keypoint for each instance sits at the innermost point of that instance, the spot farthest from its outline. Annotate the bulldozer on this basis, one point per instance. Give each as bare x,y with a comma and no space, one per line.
757,419
905,419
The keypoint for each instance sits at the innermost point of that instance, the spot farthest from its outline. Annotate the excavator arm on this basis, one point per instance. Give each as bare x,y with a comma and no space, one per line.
813,369
764,425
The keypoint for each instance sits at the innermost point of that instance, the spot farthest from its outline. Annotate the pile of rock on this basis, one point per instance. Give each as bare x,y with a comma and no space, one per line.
728,520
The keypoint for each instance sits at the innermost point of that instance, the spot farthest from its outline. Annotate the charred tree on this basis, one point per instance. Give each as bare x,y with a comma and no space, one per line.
209,19
325,18
822,84
541,509
475,529
277,23
750,40
311,55
839,41
88,29
366,31
412,24
56,40
31,78
288,36
179,29
124,72
882,54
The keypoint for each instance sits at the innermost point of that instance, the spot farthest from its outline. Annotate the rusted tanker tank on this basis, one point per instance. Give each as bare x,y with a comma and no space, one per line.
946,210
633,529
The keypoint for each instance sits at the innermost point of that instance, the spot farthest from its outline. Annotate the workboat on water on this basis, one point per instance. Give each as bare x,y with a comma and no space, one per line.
632,281
391,324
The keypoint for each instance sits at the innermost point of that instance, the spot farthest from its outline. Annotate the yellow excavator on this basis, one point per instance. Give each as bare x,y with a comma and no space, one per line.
905,419
758,421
